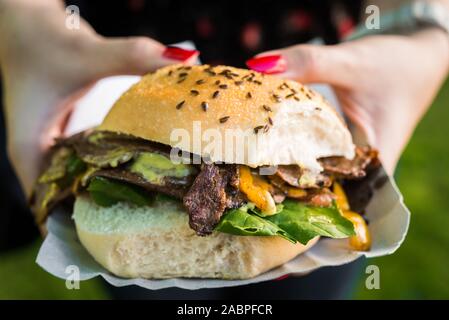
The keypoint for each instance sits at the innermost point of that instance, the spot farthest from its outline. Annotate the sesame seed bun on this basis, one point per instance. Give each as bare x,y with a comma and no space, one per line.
283,121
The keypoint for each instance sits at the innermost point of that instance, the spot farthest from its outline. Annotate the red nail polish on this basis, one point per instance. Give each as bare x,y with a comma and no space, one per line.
180,54
285,276
268,64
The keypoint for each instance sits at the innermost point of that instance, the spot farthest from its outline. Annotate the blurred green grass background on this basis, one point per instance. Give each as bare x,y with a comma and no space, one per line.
418,270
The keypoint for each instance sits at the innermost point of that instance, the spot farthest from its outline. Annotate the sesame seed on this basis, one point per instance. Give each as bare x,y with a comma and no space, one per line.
170,73
233,74
270,120
256,129
215,94
237,83
289,95
179,105
187,68
277,98
183,74
257,82
223,86
266,128
283,86
266,108
317,108
224,119
194,92
249,95
201,81
210,71
181,80
204,105
296,98
308,96
217,82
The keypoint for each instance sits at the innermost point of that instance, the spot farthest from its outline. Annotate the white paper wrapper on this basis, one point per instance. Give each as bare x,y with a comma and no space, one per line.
388,216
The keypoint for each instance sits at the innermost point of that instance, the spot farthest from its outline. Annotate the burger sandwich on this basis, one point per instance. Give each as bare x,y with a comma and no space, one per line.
209,172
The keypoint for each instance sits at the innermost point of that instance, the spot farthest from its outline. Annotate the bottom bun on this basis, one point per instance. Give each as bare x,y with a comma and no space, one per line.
156,242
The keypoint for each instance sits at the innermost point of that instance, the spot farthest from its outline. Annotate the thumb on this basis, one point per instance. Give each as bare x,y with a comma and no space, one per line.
134,55
305,63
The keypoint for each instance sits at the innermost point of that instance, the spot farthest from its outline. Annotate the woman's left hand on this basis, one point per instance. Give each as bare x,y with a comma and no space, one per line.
384,83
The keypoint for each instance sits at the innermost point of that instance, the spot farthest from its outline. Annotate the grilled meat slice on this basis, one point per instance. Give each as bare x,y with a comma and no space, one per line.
296,177
213,191
175,187
351,169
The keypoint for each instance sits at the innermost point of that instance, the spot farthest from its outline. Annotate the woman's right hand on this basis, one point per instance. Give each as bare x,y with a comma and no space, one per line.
45,65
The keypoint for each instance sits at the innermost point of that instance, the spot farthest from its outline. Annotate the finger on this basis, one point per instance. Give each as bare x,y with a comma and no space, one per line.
135,55
306,63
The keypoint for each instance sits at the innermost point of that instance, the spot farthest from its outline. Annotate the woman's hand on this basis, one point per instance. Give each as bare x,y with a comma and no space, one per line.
45,65
384,83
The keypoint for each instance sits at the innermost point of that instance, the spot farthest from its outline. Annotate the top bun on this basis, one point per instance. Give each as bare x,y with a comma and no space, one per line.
281,121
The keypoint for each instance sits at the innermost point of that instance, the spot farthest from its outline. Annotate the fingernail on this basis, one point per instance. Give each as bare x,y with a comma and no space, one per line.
285,276
180,54
268,64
